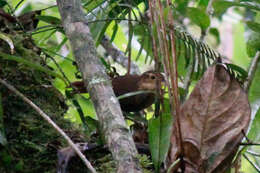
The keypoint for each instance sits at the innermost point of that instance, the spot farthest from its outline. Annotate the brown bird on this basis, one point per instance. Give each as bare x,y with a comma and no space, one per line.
132,83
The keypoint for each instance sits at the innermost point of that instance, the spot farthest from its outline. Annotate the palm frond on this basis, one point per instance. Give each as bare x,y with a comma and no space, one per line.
195,52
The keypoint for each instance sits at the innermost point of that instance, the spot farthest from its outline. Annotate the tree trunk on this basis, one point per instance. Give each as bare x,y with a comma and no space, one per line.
98,84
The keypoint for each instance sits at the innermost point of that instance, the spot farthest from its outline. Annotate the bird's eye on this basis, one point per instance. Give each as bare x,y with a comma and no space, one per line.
152,77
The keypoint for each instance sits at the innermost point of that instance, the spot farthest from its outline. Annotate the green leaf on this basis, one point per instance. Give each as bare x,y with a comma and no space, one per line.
215,33
239,70
253,44
253,26
2,3
255,117
221,6
254,90
49,19
115,29
199,17
31,64
159,131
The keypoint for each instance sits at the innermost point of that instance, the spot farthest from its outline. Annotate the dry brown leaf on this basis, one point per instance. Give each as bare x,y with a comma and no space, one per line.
211,122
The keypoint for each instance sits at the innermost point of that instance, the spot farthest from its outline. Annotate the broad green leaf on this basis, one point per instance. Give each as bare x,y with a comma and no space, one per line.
79,109
91,5
159,131
240,56
221,6
253,44
255,120
199,17
203,3
166,14
254,90
254,26
115,28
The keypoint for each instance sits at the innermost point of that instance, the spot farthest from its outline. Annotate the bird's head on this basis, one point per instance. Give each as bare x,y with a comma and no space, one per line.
148,80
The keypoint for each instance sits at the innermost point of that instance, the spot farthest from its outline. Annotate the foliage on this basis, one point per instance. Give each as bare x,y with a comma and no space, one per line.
30,144
126,24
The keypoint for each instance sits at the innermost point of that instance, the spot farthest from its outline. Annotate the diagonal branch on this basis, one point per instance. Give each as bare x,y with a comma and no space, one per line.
107,107
54,125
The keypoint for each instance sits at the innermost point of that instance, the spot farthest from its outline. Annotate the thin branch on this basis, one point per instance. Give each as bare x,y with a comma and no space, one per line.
129,42
174,80
251,162
251,71
249,143
53,124
157,65
113,19
59,68
18,4
210,9
253,153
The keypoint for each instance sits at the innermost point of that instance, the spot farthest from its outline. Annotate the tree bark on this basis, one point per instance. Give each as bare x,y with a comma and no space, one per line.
98,84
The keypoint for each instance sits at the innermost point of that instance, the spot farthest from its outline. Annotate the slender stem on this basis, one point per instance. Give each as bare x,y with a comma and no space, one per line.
129,41
157,64
175,87
251,162
251,71
253,153
54,125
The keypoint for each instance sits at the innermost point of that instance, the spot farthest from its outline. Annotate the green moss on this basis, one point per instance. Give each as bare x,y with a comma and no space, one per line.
32,142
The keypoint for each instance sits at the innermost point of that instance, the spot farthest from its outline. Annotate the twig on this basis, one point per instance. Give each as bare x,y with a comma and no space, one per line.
251,162
249,143
210,9
18,4
174,80
129,42
54,125
173,165
157,65
118,19
59,68
251,71
253,153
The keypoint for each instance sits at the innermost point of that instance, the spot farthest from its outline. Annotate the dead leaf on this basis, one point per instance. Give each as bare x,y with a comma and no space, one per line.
211,122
